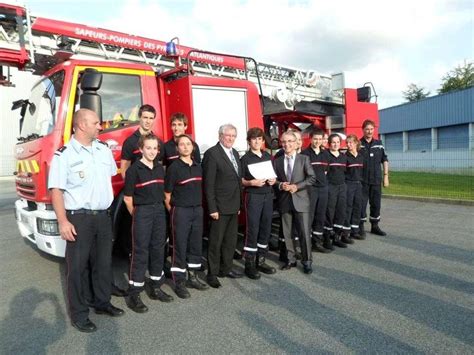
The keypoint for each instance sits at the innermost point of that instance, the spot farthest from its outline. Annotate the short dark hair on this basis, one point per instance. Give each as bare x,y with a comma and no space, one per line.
179,116
147,137
254,132
332,136
317,132
367,123
146,108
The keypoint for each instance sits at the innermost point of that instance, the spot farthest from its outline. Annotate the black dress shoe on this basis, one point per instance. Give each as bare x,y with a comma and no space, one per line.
307,269
288,266
118,292
85,326
156,293
232,274
135,303
213,281
110,311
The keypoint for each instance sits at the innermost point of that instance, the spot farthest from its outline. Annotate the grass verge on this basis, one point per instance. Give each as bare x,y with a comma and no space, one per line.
459,187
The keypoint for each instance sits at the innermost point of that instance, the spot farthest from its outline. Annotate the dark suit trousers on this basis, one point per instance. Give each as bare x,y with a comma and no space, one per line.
222,242
302,220
93,240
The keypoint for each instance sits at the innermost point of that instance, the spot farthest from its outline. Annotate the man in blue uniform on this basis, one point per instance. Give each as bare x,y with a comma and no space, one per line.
374,154
81,192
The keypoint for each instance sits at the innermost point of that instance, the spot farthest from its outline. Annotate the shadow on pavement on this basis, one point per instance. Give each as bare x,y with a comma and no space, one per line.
443,251
357,336
415,273
24,331
449,319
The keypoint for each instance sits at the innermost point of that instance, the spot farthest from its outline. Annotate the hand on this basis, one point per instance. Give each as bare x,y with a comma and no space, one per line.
271,181
285,186
258,182
385,181
214,216
293,188
67,231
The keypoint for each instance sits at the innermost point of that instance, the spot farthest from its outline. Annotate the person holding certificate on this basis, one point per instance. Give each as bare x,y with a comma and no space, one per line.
258,178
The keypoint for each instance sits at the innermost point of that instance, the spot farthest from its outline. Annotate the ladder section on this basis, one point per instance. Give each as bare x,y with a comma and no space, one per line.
40,43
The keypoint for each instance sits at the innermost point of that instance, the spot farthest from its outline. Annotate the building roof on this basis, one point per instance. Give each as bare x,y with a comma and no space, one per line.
448,109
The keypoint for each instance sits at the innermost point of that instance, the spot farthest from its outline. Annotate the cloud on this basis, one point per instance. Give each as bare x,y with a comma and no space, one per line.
373,38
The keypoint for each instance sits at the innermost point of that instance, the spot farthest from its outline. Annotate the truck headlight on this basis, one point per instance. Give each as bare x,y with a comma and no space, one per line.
47,226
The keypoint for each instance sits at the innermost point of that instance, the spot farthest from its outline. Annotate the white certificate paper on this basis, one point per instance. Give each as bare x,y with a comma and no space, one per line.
263,170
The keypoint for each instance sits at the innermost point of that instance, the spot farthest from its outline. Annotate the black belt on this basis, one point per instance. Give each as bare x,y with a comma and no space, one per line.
84,211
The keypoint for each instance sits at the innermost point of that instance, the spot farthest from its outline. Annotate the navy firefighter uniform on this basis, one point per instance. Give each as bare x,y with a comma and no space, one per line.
319,192
258,203
130,149
170,153
84,174
354,169
184,183
145,185
336,209
374,156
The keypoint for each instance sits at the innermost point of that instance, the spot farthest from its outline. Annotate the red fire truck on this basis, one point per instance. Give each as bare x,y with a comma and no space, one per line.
115,73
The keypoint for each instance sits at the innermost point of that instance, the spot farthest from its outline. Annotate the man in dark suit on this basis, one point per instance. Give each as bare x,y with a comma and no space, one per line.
295,176
222,187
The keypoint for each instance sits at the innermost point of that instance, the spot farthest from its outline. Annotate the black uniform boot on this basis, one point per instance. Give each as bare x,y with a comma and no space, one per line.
181,290
134,302
317,245
355,234
264,267
327,243
345,237
194,282
250,268
376,230
362,229
338,242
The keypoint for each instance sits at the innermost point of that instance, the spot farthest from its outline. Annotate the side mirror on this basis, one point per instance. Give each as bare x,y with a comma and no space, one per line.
91,81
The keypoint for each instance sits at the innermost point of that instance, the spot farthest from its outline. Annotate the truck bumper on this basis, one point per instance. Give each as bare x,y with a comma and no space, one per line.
27,221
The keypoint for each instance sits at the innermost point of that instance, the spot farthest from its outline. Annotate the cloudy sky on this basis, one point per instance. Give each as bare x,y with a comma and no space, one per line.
390,43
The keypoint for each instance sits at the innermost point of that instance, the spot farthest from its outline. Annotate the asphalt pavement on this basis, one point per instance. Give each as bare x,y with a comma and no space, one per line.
409,292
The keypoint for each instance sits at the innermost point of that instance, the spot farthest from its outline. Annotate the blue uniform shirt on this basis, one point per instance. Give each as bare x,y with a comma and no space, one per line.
84,174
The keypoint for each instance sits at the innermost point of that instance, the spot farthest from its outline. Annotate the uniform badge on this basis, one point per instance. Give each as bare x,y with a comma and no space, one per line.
81,174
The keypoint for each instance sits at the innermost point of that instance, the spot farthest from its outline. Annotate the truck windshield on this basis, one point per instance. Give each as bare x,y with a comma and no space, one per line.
41,112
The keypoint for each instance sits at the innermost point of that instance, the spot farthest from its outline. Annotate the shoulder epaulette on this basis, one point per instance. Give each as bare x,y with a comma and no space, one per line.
60,150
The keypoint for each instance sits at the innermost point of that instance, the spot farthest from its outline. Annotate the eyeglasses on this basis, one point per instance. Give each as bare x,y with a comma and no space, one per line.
288,141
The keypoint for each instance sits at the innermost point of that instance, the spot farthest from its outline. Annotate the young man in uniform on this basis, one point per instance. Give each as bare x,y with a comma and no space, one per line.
258,200
144,198
130,150
179,125
81,193
374,156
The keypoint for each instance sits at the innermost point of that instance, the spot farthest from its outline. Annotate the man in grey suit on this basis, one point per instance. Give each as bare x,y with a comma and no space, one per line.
295,175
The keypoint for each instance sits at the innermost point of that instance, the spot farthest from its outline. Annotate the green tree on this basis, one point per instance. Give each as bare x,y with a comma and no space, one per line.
415,93
459,78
